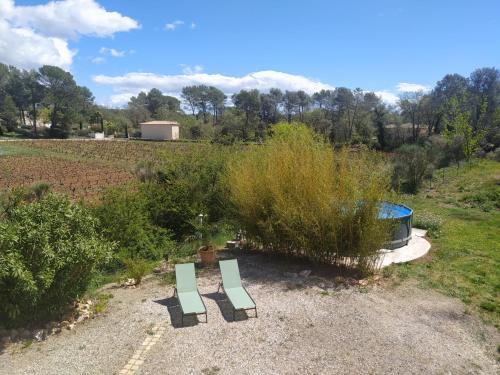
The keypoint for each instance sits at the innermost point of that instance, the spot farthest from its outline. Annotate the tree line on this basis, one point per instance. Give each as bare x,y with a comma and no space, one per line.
49,93
343,115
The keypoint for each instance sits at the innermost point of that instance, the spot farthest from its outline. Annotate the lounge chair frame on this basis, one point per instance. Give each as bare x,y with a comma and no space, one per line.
221,285
182,311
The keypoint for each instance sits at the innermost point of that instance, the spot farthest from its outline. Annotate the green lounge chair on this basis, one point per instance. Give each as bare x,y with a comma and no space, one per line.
187,291
231,284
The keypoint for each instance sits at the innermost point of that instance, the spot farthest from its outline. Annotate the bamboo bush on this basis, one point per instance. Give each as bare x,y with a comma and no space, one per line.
296,195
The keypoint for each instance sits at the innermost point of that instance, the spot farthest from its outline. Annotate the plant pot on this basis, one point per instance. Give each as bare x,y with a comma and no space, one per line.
207,254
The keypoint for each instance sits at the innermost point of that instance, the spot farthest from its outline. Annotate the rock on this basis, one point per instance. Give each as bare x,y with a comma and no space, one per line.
64,323
70,326
14,334
305,273
39,334
157,270
84,316
89,302
4,332
339,280
129,283
5,340
363,282
25,334
56,330
292,275
352,282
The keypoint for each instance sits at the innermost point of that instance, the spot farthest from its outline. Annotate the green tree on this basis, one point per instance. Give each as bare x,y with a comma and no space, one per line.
85,105
8,113
216,99
303,102
484,87
412,164
62,98
36,93
137,109
248,102
290,104
458,125
411,109
18,92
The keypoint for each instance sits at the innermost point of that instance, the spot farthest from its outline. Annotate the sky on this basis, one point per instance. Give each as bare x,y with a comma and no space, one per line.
118,48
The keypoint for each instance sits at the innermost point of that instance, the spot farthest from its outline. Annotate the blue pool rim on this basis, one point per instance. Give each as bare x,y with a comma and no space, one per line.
402,232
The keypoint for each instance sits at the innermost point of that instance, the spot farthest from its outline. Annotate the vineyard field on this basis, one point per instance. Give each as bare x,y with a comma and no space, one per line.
83,169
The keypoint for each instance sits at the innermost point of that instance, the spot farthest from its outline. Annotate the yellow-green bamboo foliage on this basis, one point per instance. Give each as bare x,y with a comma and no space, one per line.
297,195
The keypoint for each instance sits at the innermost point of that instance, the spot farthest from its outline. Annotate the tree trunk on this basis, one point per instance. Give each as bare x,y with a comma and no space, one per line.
34,119
53,122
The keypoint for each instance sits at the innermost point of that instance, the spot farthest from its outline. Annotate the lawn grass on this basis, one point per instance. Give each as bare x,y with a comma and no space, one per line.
16,149
464,261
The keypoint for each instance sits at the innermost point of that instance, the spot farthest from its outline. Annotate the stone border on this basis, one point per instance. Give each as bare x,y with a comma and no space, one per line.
140,354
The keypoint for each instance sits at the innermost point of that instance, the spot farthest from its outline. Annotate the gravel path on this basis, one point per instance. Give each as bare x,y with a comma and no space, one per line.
305,326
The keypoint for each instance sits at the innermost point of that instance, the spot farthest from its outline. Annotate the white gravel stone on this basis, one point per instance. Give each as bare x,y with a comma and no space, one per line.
299,330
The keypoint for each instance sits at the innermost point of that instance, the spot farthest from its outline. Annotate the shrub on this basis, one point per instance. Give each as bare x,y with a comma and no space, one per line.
428,221
136,269
48,251
412,164
295,195
125,219
487,199
186,186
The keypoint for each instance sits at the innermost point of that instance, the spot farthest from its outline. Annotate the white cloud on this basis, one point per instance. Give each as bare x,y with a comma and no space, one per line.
187,69
132,83
25,49
387,97
111,51
69,18
34,35
98,60
411,87
193,25
173,25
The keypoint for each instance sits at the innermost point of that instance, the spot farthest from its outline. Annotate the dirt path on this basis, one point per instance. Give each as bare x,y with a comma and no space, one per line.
304,327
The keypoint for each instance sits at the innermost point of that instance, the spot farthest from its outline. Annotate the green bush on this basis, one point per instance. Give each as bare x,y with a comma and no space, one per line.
412,164
126,220
136,269
295,195
187,185
48,251
487,199
428,221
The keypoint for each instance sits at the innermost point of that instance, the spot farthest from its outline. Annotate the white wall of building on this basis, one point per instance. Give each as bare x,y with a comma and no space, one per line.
159,132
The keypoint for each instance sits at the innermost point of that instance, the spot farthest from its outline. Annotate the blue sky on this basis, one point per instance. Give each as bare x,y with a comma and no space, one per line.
375,45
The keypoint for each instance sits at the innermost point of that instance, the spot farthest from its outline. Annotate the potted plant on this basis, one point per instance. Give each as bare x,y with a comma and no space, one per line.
206,250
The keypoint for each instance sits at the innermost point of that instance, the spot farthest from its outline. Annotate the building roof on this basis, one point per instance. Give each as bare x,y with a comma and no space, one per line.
160,123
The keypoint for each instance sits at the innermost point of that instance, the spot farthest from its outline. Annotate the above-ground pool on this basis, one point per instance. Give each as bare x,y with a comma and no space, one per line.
401,216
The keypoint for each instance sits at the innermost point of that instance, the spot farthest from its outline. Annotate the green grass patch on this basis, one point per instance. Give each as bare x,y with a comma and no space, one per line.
17,149
102,300
464,261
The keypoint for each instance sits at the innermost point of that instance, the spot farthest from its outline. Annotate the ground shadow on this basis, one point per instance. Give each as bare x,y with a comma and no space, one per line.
258,267
225,307
174,310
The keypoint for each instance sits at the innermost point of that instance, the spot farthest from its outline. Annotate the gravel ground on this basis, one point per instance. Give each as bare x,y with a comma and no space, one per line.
305,326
